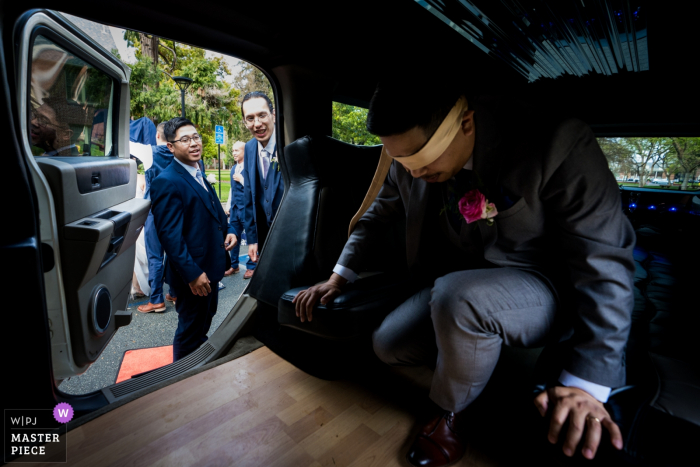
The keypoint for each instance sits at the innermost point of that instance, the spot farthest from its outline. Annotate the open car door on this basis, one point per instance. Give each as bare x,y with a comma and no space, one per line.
72,115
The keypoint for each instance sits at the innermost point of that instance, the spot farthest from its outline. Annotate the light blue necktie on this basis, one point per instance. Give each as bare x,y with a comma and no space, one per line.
265,163
199,179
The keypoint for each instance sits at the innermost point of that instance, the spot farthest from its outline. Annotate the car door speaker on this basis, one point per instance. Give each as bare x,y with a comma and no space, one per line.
100,309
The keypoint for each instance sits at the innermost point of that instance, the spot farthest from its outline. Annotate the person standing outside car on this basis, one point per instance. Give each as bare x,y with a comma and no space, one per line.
194,232
236,206
155,158
264,190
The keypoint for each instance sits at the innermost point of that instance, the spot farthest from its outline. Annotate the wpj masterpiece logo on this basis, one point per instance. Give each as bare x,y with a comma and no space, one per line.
37,435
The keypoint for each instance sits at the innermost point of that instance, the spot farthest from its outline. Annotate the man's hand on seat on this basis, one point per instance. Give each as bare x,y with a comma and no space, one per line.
584,412
200,286
306,299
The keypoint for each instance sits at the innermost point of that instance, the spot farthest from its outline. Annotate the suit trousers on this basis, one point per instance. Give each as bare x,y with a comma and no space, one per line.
236,221
154,250
459,325
195,314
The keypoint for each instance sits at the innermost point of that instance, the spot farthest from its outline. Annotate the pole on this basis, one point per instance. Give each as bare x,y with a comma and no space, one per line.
219,171
182,94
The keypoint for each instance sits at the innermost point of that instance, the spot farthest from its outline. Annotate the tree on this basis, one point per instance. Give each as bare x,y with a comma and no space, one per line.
620,157
349,125
686,160
647,153
250,79
209,100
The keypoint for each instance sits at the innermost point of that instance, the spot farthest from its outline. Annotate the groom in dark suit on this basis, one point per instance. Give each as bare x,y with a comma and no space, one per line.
265,187
195,234
513,223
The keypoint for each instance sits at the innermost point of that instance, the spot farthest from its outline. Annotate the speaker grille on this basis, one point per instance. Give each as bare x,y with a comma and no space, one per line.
101,309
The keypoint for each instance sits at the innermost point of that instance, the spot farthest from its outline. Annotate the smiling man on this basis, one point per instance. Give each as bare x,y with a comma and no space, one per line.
264,187
513,222
195,234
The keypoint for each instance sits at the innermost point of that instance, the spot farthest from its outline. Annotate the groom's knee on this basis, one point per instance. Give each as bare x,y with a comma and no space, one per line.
386,346
454,301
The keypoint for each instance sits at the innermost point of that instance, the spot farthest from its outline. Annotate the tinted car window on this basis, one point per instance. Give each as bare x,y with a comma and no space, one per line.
70,104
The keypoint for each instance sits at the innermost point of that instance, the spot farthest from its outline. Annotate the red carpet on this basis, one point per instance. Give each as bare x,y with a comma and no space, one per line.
142,360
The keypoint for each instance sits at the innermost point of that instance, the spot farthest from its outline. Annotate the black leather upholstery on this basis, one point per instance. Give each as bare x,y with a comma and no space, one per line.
361,308
325,183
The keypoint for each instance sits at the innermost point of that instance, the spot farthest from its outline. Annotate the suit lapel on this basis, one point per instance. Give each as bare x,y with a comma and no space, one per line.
417,205
201,192
487,166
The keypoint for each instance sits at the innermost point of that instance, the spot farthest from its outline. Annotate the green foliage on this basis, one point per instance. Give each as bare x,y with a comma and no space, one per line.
641,157
209,101
349,125
250,79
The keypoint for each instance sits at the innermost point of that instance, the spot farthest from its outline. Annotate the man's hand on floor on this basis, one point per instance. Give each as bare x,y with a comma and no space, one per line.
587,417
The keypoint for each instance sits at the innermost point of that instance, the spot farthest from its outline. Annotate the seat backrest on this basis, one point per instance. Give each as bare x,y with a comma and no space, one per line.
326,181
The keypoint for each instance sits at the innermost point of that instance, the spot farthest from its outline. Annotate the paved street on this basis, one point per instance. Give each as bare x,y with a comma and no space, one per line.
148,330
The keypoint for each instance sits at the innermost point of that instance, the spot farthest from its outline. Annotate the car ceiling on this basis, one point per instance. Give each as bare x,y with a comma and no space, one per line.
348,44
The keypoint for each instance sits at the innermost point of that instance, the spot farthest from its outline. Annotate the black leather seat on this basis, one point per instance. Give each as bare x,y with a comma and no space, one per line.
327,181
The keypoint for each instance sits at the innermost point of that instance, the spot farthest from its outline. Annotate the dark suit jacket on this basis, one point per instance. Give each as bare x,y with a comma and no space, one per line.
238,190
162,157
563,221
255,206
191,226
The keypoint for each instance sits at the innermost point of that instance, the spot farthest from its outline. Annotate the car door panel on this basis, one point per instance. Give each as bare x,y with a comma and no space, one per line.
74,109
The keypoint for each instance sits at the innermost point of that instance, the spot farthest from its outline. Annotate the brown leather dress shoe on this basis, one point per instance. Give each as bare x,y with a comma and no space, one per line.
232,271
437,444
248,273
170,298
157,307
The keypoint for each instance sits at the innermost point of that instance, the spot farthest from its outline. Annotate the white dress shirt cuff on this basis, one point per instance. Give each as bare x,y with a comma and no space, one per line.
345,273
596,390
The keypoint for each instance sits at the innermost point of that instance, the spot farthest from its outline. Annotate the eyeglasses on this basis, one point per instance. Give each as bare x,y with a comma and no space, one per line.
250,119
187,139
40,120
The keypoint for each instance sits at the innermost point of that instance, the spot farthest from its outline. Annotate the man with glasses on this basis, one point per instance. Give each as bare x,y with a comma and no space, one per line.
49,133
195,234
261,167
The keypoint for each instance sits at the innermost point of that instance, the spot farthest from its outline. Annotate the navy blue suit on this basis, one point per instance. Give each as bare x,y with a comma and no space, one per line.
162,157
237,215
262,197
192,228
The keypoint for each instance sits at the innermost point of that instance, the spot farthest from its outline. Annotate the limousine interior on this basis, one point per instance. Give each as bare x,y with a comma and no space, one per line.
267,389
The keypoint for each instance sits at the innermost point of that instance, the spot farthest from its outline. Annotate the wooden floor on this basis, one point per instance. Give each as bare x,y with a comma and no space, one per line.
259,410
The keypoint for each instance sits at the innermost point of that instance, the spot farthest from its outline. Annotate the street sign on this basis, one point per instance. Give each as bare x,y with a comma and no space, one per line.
219,132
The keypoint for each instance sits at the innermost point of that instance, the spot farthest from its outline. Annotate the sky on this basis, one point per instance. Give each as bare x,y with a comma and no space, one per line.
100,33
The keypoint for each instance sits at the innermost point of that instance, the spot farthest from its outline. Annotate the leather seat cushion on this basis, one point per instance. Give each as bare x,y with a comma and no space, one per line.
356,312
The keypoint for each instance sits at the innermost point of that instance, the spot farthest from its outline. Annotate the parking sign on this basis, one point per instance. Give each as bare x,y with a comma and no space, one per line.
219,131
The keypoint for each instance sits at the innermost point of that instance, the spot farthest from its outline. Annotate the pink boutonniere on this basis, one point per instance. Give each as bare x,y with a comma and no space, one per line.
474,206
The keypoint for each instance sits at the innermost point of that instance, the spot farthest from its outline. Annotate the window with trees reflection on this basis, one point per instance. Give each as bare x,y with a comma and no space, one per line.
671,163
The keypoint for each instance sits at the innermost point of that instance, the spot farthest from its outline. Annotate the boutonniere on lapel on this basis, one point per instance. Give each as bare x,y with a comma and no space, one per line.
274,160
464,198
474,206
